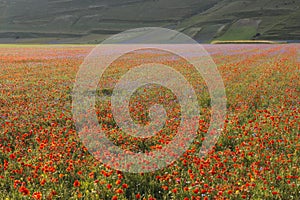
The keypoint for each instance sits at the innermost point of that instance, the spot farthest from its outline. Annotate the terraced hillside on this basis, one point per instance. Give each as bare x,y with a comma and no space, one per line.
90,21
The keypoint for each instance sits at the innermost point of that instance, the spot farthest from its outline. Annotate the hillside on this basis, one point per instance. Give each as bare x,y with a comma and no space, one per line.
90,21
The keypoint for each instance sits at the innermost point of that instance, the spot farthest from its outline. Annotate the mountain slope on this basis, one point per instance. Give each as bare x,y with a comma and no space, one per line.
69,21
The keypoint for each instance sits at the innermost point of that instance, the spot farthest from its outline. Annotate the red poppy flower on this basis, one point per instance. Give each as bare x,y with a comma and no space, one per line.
24,190
76,183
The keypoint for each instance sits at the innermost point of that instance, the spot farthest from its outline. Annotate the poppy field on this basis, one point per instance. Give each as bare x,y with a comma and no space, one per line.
255,157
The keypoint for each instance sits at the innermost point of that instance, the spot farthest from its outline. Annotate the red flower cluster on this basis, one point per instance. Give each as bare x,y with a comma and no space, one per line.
257,155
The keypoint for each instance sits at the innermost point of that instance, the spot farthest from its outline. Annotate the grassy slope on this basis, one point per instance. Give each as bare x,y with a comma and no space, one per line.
68,21
278,20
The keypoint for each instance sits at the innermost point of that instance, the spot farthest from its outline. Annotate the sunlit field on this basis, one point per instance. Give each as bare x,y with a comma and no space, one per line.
256,156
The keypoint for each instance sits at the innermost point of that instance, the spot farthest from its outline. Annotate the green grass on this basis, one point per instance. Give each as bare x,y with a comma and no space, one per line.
42,45
239,33
245,42
88,22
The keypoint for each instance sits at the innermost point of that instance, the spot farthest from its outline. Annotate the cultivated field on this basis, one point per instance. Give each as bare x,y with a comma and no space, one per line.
256,157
